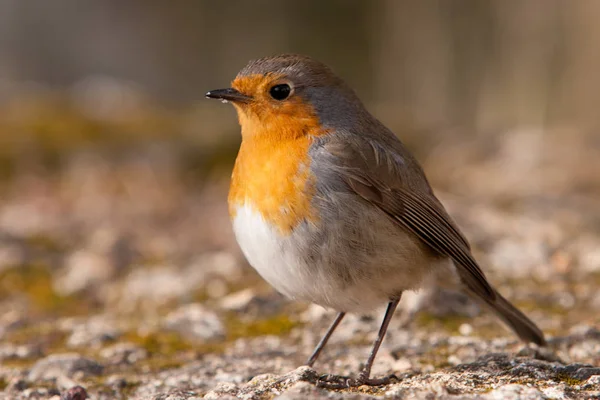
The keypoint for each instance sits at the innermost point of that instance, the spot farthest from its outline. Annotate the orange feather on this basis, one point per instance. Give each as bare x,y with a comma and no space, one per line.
272,170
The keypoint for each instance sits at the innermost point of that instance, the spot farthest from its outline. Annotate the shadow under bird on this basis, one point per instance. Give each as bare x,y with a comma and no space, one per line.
330,207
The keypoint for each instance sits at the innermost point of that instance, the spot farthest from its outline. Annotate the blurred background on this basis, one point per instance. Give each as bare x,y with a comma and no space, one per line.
114,168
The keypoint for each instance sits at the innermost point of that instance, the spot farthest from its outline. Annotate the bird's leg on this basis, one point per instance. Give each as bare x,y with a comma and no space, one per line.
325,339
366,372
336,382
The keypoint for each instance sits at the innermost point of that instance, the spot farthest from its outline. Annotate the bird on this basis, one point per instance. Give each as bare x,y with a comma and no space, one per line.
331,208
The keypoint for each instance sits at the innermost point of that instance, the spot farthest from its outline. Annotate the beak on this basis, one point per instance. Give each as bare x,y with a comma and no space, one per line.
228,94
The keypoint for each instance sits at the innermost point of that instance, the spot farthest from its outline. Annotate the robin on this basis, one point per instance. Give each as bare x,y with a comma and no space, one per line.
330,207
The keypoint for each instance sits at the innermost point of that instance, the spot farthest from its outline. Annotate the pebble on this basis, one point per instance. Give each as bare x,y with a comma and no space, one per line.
195,322
94,332
124,353
68,364
82,270
19,352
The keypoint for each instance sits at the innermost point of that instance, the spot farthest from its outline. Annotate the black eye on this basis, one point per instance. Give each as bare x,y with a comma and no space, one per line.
280,92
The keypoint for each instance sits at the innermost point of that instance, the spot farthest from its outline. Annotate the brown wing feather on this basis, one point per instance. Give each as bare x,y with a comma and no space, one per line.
422,216
388,177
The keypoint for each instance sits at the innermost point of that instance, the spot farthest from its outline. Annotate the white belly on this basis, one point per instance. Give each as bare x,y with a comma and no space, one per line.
338,277
282,262
271,254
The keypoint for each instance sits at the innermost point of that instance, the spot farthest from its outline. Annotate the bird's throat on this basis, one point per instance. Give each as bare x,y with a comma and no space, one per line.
274,179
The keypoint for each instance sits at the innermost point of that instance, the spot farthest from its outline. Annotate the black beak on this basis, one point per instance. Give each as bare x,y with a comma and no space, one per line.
228,94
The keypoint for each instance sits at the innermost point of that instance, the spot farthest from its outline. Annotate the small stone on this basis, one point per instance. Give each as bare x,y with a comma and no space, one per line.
465,329
302,390
515,392
217,289
124,353
588,252
68,364
262,379
385,361
582,349
583,330
454,360
213,395
565,300
238,300
222,390
195,322
116,381
581,373
64,383
594,380
17,385
177,394
93,333
315,313
402,364
83,269
555,392
19,352
74,393
40,393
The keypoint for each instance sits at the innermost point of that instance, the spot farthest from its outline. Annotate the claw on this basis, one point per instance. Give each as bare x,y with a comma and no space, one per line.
343,382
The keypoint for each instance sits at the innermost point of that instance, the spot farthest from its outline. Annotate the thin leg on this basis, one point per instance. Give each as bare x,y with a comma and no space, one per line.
389,313
337,382
325,339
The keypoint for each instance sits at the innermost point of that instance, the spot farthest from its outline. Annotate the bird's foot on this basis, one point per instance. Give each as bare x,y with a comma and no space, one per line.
344,382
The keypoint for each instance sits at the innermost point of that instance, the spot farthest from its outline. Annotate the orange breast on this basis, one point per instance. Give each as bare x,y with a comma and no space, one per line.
272,171
275,180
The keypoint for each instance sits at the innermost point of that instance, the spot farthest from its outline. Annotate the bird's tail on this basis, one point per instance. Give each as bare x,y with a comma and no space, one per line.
515,319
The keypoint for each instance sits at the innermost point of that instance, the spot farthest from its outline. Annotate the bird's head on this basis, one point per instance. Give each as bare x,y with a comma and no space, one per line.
289,95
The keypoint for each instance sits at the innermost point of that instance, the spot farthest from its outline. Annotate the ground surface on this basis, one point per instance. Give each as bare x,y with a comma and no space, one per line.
122,277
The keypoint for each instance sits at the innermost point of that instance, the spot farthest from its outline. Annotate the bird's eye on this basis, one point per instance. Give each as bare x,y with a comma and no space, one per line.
281,91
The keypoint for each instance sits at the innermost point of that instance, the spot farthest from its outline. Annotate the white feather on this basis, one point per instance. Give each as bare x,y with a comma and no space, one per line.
282,261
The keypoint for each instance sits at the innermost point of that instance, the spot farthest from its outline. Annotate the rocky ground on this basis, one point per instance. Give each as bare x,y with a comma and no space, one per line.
121,279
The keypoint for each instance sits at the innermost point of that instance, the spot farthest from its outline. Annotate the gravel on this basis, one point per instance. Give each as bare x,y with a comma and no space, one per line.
124,281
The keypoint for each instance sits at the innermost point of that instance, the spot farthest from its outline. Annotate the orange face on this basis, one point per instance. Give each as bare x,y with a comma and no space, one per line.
272,173
287,118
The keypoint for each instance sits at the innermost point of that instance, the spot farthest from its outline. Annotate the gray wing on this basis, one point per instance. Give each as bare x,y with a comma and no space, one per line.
387,176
